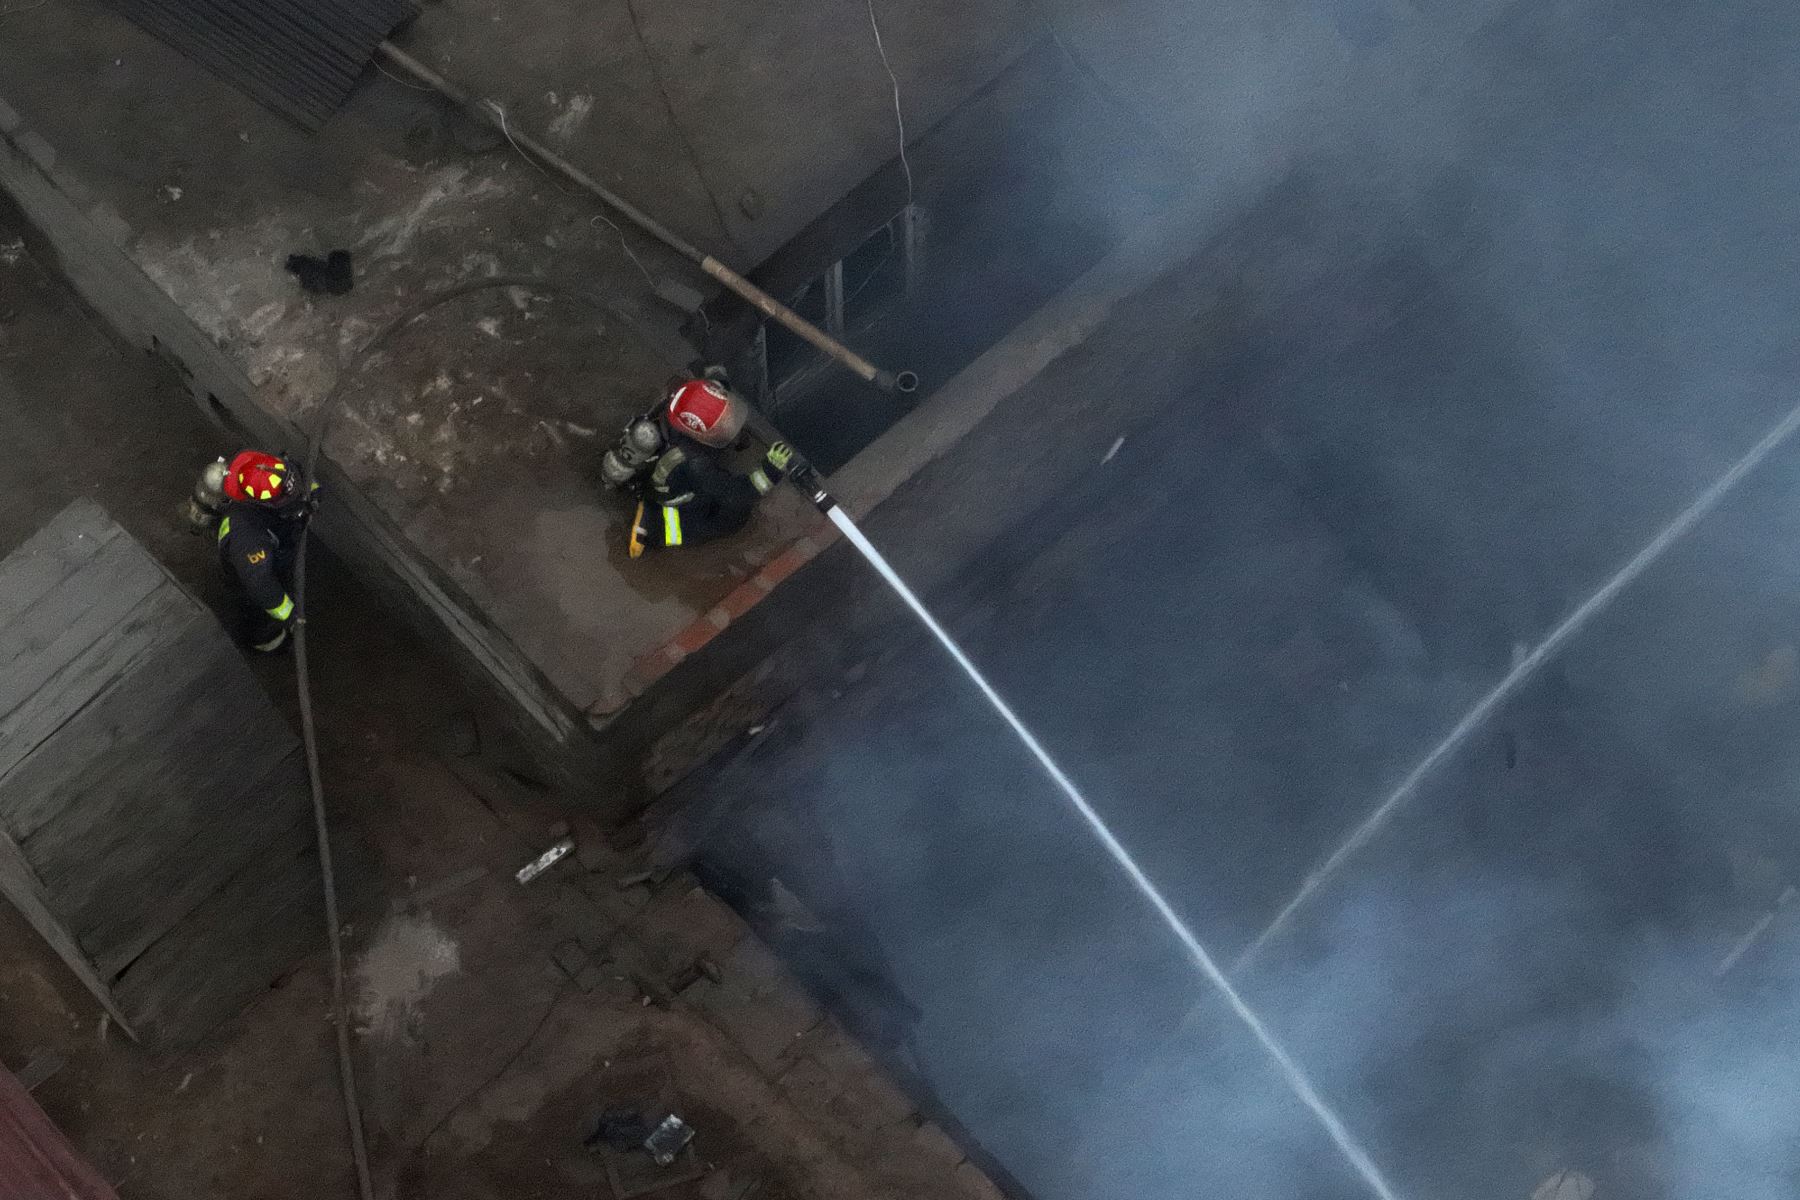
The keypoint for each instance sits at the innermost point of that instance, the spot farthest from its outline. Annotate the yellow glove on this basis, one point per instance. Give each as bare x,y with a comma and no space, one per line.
781,456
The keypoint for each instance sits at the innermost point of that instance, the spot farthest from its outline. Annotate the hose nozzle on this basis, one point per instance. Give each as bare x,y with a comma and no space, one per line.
805,476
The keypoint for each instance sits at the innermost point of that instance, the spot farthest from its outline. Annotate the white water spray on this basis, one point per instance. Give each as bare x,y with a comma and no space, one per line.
1290,1070
1521,674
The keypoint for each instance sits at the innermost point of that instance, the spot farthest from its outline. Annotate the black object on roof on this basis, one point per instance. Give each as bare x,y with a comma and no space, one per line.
301,58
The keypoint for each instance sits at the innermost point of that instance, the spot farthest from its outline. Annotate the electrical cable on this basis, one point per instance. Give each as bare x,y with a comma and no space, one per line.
635,260
899,116
359,1151
681,135
1105,93
417,87
499,1073
500,112
540,169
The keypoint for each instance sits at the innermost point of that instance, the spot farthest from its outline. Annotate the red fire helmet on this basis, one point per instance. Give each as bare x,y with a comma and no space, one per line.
708,412
259,477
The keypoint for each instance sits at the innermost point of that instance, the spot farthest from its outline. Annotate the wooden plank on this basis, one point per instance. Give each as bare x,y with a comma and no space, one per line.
154,782
36,1160
164,833
20,884
163,616
83,608
114,932
52,554
192,737
72,612
116,729
232,947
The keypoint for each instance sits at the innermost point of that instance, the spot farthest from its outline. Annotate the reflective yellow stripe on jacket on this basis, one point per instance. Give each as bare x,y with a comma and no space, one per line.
671,526
285,609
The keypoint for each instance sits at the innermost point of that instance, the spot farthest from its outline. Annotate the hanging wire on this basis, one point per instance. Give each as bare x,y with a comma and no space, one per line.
899,115
626,247
535,164
539,168
417,87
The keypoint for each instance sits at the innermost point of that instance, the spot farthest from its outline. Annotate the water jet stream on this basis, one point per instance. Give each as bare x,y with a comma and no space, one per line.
1527,668
1296,1078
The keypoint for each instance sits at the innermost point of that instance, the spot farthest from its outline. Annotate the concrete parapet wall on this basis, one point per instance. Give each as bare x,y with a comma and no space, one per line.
87,242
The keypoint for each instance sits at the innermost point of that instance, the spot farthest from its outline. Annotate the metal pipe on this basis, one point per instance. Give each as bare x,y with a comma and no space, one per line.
491,112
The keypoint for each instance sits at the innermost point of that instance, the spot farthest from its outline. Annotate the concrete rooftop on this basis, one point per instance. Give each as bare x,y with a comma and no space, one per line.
478,431
492,1023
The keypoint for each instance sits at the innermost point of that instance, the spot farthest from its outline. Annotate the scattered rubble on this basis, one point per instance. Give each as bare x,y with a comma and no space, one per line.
549,858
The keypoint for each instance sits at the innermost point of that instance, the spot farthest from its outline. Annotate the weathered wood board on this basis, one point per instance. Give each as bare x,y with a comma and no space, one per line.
154,816
36,1160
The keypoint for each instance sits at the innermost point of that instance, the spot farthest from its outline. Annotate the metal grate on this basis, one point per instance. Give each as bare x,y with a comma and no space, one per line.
301,58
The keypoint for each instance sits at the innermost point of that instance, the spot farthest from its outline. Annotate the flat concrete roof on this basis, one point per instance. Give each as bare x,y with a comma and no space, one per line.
478,430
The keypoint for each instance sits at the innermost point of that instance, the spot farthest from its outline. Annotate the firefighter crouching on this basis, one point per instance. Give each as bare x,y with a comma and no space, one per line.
678,462
260,503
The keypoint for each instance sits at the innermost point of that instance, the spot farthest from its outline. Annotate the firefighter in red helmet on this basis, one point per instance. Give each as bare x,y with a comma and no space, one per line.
266,503
679,458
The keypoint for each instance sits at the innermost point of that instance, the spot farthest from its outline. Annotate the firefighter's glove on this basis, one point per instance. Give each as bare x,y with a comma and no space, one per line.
779,458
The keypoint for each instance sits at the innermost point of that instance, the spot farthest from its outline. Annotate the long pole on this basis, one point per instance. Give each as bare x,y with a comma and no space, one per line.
490,112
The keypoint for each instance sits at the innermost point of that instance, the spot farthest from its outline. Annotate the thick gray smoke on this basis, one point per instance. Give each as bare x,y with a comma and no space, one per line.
1503,286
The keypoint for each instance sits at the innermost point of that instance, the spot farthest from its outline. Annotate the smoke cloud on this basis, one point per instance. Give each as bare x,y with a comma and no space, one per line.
1501,287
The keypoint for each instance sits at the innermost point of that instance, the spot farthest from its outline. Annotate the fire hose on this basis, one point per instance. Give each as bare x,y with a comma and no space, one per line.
303,686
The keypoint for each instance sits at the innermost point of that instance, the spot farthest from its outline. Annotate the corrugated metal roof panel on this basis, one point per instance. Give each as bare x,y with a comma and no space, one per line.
299,57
